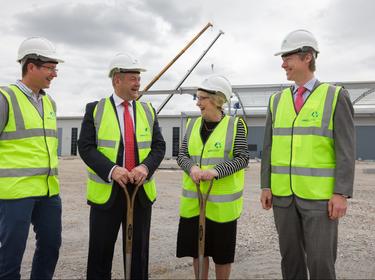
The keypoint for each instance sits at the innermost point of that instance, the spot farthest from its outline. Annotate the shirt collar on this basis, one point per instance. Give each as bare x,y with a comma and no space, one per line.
26,90
309,85
118,100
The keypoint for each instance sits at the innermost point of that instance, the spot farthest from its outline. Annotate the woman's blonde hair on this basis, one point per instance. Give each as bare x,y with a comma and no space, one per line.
219,100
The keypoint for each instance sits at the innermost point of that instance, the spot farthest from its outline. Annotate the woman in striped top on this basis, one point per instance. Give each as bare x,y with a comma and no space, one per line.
220,237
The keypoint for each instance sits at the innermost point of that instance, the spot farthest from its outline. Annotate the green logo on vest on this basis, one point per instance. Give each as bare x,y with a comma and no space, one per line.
312,118
51,116
145,132
216,147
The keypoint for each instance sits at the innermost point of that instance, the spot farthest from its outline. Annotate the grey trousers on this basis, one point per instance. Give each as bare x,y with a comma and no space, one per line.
307,238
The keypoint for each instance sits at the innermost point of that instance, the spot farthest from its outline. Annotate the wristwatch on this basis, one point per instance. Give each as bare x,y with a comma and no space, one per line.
343,195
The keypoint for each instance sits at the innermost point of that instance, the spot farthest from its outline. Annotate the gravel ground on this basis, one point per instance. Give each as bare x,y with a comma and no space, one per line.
257,255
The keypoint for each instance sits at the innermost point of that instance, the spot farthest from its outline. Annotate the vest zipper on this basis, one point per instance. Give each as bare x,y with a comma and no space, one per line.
291,155
204,144
48,152
45,141
292,136
291,145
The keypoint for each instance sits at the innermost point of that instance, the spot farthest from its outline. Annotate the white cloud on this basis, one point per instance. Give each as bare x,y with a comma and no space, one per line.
88,34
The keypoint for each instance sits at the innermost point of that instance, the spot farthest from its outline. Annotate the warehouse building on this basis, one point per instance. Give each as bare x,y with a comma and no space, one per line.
251,102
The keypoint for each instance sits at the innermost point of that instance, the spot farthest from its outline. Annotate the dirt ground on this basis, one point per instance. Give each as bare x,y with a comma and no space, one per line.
257,255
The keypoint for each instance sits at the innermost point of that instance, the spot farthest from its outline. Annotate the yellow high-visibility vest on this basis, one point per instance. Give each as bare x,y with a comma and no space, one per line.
108,141
28,148
303,156
225,200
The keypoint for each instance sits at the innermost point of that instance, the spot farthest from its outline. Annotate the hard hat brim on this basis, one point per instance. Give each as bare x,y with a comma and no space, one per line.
288,52
293,51
42,58
134,70
278,53
117,70
215,92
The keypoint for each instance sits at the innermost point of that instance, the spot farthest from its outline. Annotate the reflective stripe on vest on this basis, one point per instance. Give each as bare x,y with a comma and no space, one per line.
206,161
31,169
214,198
98,121
302,156
225,200
303,171
20,124
28,133
108,137
97,179
23,172
106,143
303,131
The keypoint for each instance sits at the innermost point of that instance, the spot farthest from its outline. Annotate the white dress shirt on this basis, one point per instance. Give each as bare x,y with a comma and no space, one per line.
120,115
308,86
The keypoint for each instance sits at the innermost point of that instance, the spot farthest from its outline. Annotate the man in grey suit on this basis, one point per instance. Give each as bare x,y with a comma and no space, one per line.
307,170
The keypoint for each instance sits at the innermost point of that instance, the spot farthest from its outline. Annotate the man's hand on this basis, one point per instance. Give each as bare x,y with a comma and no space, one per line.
121,175
208,175
266,199
337,206
139,174
195,174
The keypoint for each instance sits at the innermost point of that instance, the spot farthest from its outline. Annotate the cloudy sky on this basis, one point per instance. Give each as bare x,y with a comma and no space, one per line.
88,33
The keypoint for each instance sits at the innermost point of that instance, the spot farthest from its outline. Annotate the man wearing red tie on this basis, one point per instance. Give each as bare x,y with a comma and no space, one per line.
307,170
122,145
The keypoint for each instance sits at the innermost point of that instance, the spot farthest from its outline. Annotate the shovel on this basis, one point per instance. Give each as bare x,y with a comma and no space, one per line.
202,198
129,230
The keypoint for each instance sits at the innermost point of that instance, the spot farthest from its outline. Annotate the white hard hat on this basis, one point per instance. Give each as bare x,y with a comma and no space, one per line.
296,40
38,48
217,83
124,62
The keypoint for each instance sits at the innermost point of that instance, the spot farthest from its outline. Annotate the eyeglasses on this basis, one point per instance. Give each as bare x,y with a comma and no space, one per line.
201,98
51,69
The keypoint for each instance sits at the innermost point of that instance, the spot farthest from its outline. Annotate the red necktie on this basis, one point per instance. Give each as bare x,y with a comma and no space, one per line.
128,138
299,99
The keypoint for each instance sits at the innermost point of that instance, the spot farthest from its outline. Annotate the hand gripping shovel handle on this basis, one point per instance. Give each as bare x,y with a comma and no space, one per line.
202,198
129,230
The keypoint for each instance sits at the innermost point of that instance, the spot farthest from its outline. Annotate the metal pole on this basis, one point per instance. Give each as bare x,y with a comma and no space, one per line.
239,100
363,95
189,72
182,127
175,58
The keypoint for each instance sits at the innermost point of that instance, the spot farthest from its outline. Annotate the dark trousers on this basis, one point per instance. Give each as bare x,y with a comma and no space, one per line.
104,227
307,239
15,218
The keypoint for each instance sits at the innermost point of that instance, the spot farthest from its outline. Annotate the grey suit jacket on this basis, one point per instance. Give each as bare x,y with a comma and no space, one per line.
344,137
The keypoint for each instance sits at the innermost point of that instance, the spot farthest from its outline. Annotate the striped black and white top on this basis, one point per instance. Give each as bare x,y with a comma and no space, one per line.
240,152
